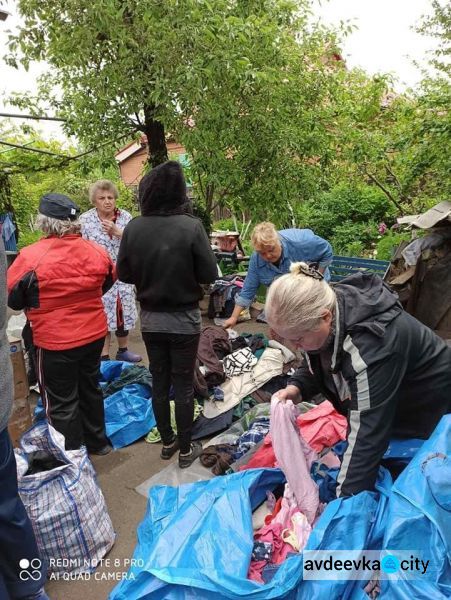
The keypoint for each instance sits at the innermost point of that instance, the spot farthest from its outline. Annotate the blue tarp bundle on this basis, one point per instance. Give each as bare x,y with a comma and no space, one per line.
195,541
128,415
128,412
110,370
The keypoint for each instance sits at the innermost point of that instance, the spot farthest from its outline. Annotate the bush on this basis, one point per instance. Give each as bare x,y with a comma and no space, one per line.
353,204
348,217
354,239
224,225
389,242
27,237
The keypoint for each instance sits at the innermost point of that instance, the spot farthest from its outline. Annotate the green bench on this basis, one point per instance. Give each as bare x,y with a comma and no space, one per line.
342,266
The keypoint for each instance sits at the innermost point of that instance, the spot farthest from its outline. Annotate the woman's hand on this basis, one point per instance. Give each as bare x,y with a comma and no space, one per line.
291,392
111,228
231,322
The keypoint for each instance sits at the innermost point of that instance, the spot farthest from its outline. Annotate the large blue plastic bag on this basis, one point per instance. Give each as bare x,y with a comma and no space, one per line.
419,519
128,415
111,369
65,504
196,541
353,523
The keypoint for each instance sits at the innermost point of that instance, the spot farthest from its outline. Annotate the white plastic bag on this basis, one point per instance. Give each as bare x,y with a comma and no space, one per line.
15,325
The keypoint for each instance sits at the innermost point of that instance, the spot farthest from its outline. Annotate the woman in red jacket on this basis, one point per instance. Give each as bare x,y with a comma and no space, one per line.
59,282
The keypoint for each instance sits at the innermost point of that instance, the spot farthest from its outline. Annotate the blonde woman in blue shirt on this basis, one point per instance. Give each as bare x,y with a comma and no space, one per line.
274,253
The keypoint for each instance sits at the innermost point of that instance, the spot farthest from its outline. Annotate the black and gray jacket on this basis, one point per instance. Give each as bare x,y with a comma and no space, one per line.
166,258
387,372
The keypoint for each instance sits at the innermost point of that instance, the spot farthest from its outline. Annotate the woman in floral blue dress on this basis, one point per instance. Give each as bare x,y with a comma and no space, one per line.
104,224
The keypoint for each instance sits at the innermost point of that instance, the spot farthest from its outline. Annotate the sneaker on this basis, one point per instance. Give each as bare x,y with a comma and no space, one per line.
128,356
188,459
101,451
168,452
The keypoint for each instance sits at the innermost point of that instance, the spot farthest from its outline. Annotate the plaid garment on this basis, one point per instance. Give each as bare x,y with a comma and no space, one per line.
258,429
65,505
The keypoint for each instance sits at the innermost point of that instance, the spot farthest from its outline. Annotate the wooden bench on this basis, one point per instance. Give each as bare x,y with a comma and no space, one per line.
342,266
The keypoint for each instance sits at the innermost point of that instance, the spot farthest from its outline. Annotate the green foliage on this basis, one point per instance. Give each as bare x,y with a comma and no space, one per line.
348,204
201,213
28,237
389,242
249,87
438,24
274,125
224,225
347,216
30,176
354,239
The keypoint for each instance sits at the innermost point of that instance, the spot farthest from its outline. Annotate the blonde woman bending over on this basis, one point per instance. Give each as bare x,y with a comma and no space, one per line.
274,252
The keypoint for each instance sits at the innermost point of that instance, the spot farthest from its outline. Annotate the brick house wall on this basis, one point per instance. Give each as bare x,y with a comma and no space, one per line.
131,162
131,168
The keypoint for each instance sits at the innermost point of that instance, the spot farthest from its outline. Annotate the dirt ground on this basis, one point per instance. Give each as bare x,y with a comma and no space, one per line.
118,475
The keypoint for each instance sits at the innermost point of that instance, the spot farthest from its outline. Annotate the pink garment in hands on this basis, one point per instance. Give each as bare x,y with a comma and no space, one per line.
294,457
322,426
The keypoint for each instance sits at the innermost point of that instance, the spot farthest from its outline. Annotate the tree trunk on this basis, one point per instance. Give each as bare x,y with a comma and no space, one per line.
209,195
156,139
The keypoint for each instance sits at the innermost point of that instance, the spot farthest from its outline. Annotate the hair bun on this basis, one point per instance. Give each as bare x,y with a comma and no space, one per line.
298,268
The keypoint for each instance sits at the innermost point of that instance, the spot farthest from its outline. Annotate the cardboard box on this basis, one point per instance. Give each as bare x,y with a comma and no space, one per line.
20,419
20,372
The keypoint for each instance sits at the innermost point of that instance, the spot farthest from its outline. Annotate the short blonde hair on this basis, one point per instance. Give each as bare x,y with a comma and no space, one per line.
264,234
102,184
297,301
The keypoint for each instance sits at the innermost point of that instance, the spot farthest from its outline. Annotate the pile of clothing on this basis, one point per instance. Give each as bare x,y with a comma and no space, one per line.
232,373
220,456
321,428
222,296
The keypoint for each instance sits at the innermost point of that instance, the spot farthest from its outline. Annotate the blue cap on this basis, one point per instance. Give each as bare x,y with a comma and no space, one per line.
58,206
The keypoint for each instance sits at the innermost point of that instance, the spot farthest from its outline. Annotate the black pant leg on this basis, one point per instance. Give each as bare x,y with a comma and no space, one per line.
183,361
58,379
157,346
91,398
30,349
